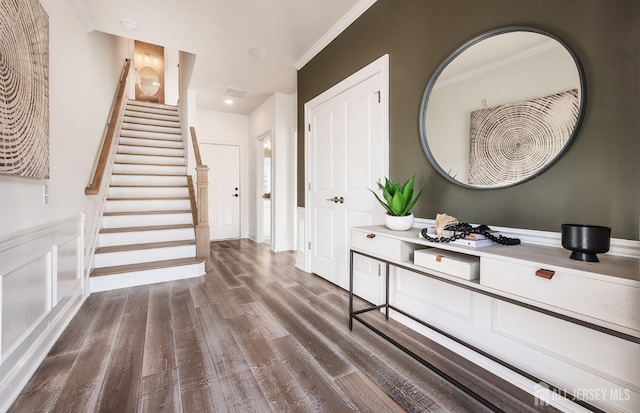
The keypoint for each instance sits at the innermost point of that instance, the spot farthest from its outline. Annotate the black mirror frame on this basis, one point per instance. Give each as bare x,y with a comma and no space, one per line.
465,46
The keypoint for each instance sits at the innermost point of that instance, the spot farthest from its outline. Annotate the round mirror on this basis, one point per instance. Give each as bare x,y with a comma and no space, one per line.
502,108
149,81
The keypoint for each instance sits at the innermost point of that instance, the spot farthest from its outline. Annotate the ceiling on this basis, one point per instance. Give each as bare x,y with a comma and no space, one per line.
220,33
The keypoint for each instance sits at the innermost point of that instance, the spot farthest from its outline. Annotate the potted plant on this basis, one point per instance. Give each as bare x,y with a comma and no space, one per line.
398,201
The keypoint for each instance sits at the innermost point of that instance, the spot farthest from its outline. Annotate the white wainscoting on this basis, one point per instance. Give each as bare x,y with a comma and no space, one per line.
41,289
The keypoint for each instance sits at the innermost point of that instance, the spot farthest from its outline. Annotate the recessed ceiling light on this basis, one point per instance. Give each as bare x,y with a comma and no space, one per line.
257,53
128,24
228,101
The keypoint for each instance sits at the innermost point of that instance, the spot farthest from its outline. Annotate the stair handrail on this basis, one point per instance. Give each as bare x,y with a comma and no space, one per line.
196,147
101,166
203,247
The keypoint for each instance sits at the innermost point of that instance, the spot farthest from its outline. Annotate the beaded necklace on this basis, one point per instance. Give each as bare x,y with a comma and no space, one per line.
462,230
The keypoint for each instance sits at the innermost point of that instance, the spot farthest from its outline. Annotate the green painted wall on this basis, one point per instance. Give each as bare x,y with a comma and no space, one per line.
596,182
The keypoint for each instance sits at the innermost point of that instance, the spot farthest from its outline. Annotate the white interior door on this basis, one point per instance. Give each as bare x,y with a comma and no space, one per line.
345,161
224,189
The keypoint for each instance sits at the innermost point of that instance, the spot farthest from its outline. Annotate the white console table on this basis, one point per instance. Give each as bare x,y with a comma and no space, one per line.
576,333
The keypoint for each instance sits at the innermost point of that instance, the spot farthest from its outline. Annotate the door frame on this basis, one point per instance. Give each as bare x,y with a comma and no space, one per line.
381,66
258,185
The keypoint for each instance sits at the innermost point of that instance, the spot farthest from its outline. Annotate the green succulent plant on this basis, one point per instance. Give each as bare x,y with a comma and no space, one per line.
398,199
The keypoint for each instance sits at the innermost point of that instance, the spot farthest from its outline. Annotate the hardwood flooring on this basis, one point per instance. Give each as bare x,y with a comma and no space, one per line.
253,335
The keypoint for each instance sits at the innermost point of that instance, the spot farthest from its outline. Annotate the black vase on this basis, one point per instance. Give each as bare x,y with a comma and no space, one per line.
586,241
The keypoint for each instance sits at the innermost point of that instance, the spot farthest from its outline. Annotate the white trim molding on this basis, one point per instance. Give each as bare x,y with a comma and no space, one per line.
351,16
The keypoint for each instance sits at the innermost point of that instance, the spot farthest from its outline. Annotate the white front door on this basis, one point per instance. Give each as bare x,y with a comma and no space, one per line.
345,160
224,189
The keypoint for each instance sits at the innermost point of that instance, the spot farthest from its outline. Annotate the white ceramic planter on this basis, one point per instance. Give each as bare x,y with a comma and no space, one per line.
398,223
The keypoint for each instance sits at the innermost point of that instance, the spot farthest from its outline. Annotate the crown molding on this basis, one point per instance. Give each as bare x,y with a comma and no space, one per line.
346,20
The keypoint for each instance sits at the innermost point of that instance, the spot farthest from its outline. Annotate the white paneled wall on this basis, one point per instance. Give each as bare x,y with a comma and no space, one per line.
41,289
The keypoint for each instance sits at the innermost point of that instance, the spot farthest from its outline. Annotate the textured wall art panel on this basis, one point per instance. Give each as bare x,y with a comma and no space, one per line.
24,89
510,142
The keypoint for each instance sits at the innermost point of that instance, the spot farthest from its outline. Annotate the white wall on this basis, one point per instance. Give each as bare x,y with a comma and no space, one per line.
261,122
84,69
41,245
227,128
171,61
277,116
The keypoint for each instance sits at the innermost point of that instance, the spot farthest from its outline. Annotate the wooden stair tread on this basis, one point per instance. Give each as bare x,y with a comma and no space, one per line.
169,211
133,102
148,164
141,130
146,246
146,228
149,186
145,185
149,146
149,154
153,137
140,174
149,199
119,269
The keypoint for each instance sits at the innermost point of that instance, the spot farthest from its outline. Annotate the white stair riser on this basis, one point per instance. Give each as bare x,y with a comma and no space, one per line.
112,259
151,142
148,205
150,135
126,221
134,113
143,237
148,150
148,180
149,165
148,192
150,128
169,123
149,160
135,278
149,169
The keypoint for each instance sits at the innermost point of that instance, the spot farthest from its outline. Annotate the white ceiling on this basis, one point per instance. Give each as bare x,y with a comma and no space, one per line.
219,33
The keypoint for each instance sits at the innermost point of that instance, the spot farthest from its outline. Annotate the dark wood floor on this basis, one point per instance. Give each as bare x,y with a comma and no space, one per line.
254,334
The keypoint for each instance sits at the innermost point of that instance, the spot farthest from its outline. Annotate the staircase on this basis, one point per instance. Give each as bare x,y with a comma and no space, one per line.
147,233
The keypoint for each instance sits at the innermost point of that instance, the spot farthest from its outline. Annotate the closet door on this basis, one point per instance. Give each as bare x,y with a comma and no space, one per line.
345,144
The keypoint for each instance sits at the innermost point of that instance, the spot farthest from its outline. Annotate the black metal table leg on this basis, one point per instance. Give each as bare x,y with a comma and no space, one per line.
350,290
386,299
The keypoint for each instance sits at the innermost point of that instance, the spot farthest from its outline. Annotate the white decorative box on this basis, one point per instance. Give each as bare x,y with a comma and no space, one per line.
448,262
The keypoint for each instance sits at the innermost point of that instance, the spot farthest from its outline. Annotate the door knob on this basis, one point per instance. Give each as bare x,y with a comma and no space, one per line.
341,200
334,199
236,195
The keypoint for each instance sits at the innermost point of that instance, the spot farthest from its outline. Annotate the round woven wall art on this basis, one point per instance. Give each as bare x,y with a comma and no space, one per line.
24,89
511,142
